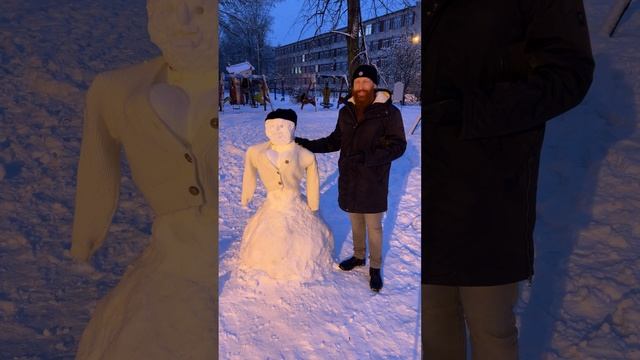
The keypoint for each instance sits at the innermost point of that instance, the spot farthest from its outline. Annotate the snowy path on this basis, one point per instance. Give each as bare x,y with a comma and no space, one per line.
339,317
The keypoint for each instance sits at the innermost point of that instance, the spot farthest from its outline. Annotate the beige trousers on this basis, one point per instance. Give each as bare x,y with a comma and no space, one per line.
487,312
372,223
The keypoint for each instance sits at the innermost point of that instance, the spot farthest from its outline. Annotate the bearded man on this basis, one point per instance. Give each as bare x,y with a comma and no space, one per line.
369,135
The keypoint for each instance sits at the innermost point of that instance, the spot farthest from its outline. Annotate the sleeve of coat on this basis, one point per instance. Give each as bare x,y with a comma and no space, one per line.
313,184
327,144
392,145
98,177
248,179
558,51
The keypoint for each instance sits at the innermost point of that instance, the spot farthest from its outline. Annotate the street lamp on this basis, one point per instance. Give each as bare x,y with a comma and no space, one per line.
415,39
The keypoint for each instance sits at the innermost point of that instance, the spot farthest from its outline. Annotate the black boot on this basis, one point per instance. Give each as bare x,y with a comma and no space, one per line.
376,280
351,262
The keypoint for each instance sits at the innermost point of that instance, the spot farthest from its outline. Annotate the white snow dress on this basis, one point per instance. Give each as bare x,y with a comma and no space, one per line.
285,239
165,305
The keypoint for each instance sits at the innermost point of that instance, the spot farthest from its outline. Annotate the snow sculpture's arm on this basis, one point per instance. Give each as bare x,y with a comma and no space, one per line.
248,179
313,181
98,177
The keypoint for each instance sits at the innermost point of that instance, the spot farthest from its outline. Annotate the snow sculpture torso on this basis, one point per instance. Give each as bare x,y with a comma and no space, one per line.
284,239
165,305
182,100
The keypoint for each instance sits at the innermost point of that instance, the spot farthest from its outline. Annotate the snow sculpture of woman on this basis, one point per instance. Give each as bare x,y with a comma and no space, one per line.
285,238
162,113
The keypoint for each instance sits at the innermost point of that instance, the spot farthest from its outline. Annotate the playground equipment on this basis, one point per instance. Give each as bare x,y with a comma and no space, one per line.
245,90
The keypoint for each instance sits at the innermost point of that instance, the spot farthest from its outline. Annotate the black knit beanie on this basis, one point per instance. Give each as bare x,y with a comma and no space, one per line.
286,114
368,71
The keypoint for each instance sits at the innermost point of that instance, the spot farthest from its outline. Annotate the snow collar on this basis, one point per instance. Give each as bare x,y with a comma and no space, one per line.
382,96
282,147
197,81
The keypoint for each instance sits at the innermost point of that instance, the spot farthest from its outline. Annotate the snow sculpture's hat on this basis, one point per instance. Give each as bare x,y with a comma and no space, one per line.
286,114
368,71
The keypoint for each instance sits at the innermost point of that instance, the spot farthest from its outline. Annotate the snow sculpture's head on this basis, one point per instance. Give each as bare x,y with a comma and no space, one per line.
185,32
280,126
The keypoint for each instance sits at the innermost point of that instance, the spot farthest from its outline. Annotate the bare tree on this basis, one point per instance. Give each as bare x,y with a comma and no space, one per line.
323,15
405,66
244,25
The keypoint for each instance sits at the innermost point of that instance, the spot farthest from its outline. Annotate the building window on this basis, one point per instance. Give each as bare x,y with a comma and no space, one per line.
325,67
381,26
392,23
367,29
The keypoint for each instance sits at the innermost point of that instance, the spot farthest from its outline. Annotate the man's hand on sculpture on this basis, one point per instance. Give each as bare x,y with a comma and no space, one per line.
301,141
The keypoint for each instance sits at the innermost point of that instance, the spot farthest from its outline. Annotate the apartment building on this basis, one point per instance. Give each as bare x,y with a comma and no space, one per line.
326,54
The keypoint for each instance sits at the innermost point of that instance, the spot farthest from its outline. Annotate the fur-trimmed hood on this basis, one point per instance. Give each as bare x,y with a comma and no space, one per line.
382,96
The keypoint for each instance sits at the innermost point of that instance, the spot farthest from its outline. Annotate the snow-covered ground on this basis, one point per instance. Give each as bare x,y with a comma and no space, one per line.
49,53
338,317
584,302
585,299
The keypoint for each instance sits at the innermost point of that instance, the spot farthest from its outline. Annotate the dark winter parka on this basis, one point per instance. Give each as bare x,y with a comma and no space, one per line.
366,151
494,71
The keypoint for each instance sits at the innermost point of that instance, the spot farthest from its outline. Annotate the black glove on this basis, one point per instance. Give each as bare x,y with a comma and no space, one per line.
383,142
512,64
302,142
444,113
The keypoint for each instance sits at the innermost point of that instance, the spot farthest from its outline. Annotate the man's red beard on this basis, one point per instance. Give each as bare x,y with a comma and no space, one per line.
363,97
